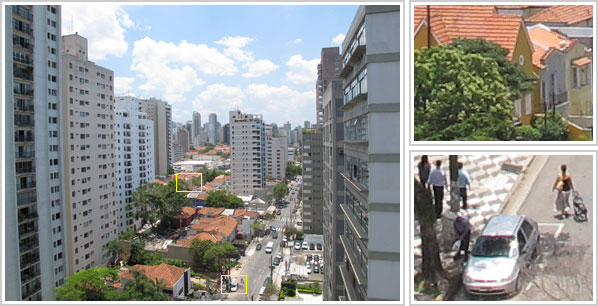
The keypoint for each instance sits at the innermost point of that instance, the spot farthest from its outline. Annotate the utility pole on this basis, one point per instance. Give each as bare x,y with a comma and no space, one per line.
454,188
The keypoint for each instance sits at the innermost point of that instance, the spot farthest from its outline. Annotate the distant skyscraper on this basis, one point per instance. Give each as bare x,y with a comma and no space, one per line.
189,127
312,181
328,69
134,141
288,128
196,131
36,255
306,124
276,157
212,129
182,138
91,211
248,153
226,132
275,131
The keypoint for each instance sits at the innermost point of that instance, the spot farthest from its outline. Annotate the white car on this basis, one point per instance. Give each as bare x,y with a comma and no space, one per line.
297,245
308,266
284,238
234,287
305,245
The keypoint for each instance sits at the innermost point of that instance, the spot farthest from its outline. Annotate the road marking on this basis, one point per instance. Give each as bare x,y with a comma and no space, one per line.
559,227
251,252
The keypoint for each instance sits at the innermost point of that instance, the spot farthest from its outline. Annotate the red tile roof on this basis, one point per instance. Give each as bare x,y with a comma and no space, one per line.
186,212
159,182
221,224
203,236
581,61
213,211
170,274
568,14
471,22
545,40
242,212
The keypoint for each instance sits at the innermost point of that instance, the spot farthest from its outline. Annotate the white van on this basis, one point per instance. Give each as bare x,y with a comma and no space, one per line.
269,247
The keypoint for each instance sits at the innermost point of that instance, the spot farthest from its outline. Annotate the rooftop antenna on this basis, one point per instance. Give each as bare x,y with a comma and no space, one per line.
71,26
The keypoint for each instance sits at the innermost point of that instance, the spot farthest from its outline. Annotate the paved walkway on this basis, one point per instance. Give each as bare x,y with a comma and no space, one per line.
493,179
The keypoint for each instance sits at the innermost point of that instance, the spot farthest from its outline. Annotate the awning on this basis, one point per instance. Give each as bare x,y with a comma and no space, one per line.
582,61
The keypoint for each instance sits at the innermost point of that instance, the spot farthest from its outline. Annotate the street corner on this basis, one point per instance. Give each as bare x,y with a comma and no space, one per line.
233,284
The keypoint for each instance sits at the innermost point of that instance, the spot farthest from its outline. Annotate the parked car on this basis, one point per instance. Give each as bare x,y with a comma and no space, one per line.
276,261
297,245
267,232
319,246
308,257
272,228
305,245
278,212
282,243
317,257
316,268
308,267
275,235
258,246
505,247
312,246
233,287
284,238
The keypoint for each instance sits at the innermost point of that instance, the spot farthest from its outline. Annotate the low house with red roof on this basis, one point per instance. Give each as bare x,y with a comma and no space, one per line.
186,216
197,199
565,15
221,225
210,212
177,281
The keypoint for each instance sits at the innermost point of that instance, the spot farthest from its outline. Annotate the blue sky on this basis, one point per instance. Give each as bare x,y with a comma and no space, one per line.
261,59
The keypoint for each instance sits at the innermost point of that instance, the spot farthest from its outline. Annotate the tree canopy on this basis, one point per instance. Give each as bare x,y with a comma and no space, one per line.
291,171
220,198
155,202
280,191
460,96
87,285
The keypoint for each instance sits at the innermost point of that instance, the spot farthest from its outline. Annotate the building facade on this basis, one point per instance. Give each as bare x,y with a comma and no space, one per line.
182,138
213,129
134,150
248,153
276,157
333,188
312,182
89,170
226,133
196,129
34,214
328,69
371,147
160,112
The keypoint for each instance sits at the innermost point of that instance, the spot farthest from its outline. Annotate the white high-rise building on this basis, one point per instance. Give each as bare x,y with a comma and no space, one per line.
196,130
213,129
160,112
134,157
34,208
88,128
276,157
248,153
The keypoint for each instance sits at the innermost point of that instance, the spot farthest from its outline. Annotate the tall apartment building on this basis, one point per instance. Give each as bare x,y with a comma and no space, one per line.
134,157
182,138
328,69
306,124
196,129
333,187
226,133
213,129
312,182
189,128
248,153
276,157
88,127
34,216
160,113
371,155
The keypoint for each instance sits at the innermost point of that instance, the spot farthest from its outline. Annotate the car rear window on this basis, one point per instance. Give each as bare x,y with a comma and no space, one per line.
492,246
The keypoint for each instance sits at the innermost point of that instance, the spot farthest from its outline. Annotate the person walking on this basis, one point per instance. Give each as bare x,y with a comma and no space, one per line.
563,185
464,181
424,168
438,181
463,231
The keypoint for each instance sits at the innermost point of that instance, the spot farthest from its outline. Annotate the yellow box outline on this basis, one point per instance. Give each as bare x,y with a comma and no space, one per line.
222,292
176,181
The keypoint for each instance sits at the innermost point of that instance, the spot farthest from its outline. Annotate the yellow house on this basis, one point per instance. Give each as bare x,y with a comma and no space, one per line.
449,22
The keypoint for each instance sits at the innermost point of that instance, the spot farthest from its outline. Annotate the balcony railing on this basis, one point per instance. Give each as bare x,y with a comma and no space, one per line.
21,60
25,217
24,247
25,92
32,290
29,261
24,107
25,138
26,185
22,12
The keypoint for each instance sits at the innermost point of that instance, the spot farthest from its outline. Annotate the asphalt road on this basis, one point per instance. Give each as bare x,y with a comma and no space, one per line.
257,267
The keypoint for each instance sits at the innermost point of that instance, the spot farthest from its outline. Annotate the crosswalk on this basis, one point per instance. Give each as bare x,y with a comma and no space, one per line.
285,219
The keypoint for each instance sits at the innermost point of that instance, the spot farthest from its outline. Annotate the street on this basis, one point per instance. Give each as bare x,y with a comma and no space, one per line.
257,267
564,268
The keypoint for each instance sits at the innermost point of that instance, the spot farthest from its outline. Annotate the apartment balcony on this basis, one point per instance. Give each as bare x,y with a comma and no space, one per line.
27,231
347,281
30,291
24,107
29,260
27,217
25,155
25,170
22,12
25,247
24,75
353,263
353,57
25,61
362,96
358,228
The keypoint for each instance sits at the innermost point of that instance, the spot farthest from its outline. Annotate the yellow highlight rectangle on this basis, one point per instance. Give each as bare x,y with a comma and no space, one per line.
222,292
176,180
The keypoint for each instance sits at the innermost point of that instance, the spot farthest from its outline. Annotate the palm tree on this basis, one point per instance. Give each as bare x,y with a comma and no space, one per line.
116,251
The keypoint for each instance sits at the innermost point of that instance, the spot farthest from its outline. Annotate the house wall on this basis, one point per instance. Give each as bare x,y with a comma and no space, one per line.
523,48
421,38
555,65
580,98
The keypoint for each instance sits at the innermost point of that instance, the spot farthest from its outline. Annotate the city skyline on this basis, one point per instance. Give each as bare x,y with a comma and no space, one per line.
237,62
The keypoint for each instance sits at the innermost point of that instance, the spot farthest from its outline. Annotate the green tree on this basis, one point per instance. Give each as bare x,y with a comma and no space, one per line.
515,78
280,191
290,231
527,132
116,250
553,127
460,96
155,202
170,171
199,249
137,254
223,256
219,198
144,289
291,171
128,235
257,226
87,285
270,291
299,235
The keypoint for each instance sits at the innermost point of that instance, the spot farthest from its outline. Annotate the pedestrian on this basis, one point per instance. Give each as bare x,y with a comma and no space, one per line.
464,181
424,168
563,185
438,181
463,232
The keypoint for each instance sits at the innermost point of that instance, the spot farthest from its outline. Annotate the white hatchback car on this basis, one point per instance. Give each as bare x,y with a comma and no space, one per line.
305,245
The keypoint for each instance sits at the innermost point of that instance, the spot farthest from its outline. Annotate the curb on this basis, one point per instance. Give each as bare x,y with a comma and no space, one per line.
524,182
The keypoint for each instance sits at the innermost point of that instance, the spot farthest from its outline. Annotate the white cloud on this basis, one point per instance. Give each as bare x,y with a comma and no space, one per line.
338,39
234,48
259,68
100,25
219,99
171,70
282,103
124,19
298,40
302,71
122,85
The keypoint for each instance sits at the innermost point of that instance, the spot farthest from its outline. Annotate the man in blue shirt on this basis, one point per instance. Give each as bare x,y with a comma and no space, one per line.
438,181
463,231
464,181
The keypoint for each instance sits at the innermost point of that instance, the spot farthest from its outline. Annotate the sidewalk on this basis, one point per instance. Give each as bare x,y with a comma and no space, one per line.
493,180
